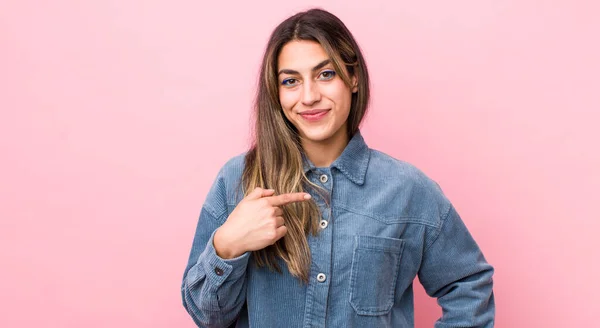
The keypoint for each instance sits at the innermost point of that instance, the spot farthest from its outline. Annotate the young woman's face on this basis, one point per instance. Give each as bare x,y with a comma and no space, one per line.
313,97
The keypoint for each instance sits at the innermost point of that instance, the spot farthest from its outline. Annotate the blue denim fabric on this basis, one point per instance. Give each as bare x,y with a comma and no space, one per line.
386,224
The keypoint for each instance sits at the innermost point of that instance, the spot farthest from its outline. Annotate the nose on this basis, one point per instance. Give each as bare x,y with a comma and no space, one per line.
310,93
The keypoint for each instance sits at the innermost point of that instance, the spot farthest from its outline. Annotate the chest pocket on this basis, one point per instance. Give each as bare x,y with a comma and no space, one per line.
375,268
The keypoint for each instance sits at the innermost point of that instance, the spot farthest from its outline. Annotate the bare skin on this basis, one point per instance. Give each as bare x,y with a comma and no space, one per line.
308,81
255,223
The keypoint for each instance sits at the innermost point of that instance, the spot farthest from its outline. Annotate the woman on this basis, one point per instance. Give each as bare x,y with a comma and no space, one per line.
311,228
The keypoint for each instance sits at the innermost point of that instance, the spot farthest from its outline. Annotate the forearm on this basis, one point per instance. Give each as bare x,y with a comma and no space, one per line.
455,272
214,289
468,302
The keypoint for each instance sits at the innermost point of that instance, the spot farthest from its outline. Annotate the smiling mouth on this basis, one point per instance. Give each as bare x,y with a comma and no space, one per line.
314,115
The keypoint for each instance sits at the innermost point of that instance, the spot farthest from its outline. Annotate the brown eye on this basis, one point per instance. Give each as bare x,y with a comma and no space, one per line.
289,82
327,75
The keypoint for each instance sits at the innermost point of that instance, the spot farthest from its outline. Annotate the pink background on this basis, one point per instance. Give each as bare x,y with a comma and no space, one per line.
116,116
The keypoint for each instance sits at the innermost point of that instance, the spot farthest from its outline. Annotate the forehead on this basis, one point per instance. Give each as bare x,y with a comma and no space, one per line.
301,55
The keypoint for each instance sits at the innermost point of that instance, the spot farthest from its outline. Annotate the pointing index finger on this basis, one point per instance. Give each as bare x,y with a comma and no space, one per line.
285,199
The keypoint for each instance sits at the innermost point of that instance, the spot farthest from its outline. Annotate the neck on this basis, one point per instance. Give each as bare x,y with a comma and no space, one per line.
323,153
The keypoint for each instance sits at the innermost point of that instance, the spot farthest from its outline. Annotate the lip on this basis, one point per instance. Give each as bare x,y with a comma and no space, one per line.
313,111
314,115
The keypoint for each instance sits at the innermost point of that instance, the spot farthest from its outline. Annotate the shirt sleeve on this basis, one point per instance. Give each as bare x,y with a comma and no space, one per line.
213,289
455,271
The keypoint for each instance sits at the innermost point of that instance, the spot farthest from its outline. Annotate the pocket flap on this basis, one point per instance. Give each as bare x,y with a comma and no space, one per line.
385,244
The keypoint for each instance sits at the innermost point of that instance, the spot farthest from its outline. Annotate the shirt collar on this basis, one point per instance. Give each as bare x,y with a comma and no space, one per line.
353,161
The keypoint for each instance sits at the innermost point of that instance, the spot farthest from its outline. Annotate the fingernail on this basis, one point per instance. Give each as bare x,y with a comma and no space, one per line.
270,189
307,196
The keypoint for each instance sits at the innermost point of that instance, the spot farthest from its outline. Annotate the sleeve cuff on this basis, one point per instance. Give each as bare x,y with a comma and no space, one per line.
218,270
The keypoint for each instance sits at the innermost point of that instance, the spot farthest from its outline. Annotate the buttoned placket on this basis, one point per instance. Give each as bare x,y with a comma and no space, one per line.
321,255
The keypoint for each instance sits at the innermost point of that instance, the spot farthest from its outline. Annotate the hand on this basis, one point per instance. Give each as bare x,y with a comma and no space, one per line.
256,223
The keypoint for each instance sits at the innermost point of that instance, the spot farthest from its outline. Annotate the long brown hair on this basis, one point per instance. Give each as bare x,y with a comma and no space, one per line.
275,159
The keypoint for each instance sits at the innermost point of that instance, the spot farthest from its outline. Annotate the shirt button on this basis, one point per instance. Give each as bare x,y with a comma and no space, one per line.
324,178
321,277
219,271
323,224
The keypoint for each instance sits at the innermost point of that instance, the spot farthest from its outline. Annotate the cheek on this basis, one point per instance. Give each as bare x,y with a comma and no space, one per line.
287,102
340,94
287,98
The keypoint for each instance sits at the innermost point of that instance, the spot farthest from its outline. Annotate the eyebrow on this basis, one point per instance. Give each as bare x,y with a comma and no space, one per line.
316,68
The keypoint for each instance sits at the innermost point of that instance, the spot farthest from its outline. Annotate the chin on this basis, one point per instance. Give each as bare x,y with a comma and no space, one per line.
317,135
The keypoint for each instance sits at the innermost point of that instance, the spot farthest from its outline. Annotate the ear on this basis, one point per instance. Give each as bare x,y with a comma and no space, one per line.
354,84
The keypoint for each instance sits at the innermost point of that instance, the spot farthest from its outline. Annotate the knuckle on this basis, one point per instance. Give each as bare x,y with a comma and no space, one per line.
271,235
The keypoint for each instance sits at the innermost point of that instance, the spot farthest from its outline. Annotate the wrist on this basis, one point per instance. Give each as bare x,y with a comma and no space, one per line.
223,247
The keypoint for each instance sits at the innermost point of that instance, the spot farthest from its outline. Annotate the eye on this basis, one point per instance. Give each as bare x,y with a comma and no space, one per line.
327,75
289,82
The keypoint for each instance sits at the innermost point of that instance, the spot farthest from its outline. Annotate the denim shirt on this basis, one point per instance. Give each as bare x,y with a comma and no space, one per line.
385,224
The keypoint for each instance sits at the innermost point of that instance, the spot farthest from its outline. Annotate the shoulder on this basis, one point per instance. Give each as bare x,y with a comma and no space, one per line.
233,167
226,189
417,195
379,160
